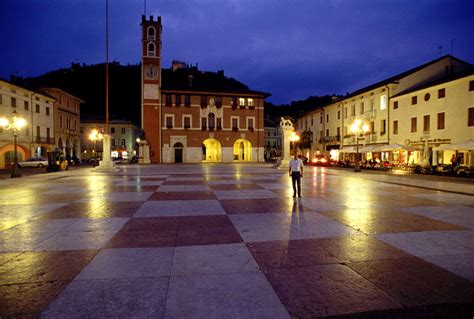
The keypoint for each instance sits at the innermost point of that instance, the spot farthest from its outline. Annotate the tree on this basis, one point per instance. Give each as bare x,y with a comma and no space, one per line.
306,140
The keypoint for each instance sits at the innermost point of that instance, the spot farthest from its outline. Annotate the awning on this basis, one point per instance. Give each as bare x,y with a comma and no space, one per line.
397,147
464,146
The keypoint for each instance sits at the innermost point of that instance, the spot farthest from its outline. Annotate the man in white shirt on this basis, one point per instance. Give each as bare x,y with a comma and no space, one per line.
295,171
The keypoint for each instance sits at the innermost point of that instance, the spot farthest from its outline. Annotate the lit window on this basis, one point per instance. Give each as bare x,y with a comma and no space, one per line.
383,102
242,102
250,102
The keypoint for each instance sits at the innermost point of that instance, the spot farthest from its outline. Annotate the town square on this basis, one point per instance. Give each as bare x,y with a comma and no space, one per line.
236,159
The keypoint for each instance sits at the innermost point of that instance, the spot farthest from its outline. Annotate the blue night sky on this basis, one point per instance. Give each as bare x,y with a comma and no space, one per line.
289,48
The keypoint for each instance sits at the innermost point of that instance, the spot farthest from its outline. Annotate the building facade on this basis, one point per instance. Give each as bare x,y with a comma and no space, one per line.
383,107
66,122
272,140
38,110
123,139
193,116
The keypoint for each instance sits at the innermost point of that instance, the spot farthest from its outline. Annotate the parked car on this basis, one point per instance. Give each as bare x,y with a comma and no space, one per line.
465,171
320,160
34,162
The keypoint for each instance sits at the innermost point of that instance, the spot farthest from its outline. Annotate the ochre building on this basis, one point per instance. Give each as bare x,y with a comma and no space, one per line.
193,116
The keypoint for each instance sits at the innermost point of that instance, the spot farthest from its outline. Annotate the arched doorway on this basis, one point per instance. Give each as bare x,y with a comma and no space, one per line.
178,152
242,150
211,149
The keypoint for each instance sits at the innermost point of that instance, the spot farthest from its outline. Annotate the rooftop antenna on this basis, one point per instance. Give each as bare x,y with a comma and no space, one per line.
144,11
452,41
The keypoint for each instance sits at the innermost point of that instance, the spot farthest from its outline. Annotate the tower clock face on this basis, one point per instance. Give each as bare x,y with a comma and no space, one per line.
151,72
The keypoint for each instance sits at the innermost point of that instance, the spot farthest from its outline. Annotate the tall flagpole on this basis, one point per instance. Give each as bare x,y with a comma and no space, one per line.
107,66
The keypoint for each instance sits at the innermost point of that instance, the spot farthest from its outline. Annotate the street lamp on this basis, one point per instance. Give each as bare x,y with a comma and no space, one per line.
294,138
15,124
358,129
95,136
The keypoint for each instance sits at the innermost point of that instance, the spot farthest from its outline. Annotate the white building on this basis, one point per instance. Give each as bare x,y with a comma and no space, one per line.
37,109
384,108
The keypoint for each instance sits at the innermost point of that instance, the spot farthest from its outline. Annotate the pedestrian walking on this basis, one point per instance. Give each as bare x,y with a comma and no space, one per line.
295,171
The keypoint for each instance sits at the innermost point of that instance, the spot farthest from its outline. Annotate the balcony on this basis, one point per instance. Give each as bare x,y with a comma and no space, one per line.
44,140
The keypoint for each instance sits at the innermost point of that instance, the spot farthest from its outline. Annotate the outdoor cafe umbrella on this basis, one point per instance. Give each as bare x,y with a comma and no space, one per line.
464,146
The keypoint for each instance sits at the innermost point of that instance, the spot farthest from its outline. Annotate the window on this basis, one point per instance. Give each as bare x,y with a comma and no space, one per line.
372,104
441,93
122,143
212,121
470,116
47,133
395,105
187,100
361,107
338,130
441,121
250,124
321,119
169,122
372,127
47,111
383,125
427,97
38,131
178,100
414,100
338,115
345,112
151,49
233,102
112,130
395,127
320,134
471,88
187,122
242,103
353,110
413,124
60,121
383,102
327,132
219,101
203,123
219,123
168,100
123,130
151,33
235,124
13,102
426,123
327,118
250,103
37,108
75,124
203,101
112,142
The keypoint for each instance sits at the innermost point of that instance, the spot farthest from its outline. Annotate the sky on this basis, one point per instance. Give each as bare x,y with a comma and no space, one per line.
291,49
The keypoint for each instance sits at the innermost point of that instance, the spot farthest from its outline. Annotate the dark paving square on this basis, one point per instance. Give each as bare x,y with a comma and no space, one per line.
94,210
359,248
378,220
206,230
290,254
258,206
414,282
318,291
182,196
146,232
43,266
228,187
27,300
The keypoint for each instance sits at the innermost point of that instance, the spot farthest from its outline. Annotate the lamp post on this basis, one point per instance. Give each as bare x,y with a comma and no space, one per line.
294,138
15,124
358,129
95,136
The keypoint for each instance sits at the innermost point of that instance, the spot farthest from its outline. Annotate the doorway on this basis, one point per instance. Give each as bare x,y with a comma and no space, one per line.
178,152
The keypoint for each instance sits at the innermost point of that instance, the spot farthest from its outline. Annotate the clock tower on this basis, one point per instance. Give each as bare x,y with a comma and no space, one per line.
151,83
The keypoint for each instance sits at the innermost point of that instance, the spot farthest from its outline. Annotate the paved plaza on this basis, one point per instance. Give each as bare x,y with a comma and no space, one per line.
229,241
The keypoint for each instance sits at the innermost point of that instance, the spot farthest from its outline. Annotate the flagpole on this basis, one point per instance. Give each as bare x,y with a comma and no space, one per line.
106,66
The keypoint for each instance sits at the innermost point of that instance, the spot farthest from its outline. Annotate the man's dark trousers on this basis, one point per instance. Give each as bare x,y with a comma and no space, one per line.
296,179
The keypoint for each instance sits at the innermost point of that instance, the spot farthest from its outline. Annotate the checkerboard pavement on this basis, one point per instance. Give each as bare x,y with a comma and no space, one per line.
229,241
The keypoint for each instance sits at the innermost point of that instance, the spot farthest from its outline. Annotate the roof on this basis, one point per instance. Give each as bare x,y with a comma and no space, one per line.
46,90
445,79
27,89
397,77
192,79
